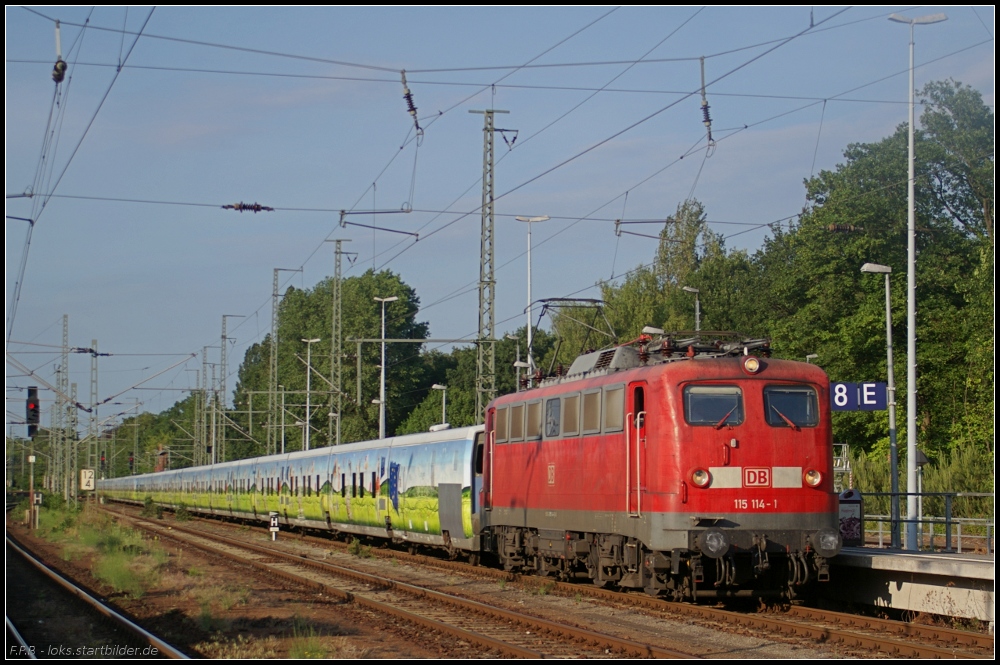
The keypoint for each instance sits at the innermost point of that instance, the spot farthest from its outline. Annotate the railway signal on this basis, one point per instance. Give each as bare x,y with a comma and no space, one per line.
32,411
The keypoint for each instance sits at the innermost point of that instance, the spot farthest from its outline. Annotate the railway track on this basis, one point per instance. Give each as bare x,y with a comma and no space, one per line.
493,629
854,633
52,617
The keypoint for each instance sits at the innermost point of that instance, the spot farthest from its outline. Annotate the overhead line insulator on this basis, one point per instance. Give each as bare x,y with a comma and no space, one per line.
410,106
248,207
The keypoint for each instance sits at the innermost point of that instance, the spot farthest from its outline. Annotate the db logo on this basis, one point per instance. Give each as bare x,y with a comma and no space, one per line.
756,477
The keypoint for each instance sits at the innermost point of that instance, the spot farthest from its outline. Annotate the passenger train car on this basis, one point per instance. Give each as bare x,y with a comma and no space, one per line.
420,489
685,469
688,469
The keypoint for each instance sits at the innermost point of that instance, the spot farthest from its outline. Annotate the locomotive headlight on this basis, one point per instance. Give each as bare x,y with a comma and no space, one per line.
751,364
826,542
813,478
713,543
701,478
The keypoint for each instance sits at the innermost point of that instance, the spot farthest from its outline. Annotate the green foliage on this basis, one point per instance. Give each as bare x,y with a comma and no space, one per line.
306,642
458,371
359,550
114,569
307,314
964,470
182,514
803,288
151,509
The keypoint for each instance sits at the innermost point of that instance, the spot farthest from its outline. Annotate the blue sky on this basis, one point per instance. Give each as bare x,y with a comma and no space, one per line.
302,110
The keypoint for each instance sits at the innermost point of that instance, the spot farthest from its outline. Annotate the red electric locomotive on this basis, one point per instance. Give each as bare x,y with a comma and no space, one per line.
685,468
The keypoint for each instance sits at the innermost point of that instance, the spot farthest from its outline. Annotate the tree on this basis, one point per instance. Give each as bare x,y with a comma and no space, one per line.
307,314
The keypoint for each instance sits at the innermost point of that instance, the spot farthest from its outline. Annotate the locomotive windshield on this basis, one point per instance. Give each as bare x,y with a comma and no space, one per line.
791,406
713,405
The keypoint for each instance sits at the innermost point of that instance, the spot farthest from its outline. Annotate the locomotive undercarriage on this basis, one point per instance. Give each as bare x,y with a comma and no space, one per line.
682,574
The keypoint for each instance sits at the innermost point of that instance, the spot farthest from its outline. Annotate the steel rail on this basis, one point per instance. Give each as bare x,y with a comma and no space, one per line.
630,647
164,648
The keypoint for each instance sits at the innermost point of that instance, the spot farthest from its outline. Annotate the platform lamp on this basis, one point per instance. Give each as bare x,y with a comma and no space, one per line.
444,399
697,306
877,268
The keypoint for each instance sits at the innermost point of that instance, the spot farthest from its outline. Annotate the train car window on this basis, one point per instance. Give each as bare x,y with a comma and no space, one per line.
354,484
614,409
517,422
571,415
592,412
500,420
713,405
374,484
552,418
791,406
343,485
533,430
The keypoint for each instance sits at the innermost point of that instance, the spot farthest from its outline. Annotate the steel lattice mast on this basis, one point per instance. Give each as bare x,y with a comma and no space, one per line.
486,342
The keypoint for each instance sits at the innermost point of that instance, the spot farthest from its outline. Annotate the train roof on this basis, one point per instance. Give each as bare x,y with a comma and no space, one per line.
678,349
422,438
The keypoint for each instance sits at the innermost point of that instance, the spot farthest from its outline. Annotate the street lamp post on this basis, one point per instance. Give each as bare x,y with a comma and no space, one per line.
381,393
444,396
697,306
309,343
911,307
529,221
893,447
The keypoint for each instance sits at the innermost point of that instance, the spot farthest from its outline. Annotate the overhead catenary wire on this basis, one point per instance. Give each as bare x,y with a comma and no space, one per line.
24,259
519,144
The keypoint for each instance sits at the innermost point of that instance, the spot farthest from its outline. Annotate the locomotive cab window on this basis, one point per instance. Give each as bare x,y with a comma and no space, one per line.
614,408
791,406
713,405
571,415
592,412
552,418
533,430
517,422
500,424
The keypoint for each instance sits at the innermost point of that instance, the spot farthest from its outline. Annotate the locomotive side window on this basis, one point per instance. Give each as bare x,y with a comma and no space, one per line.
517,422
614,409
713,405
791,406
592,412
534,427
552,418
501,424
571,415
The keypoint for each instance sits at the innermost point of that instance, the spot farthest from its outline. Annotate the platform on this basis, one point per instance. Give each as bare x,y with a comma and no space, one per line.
949,584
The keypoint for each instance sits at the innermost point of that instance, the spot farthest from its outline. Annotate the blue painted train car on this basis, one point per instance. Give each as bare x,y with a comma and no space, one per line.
420,488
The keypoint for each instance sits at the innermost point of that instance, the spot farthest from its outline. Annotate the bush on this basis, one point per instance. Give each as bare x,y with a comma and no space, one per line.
151,509
182,514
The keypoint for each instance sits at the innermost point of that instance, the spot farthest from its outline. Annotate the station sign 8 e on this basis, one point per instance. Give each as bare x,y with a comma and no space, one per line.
865,396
